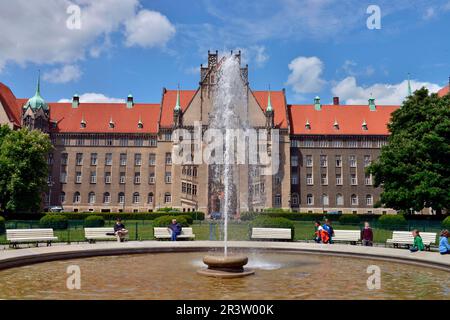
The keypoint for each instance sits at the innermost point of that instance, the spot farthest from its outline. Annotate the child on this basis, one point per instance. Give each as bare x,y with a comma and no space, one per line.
318,232
444,246
418,243
329,229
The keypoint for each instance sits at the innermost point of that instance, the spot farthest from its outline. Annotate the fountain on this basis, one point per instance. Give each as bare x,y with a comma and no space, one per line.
229,113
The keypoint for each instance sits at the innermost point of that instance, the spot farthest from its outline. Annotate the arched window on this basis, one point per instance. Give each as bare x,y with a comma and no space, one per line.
91,197
354,200
150,197
295,199
121,198
309,199
339,200
136,197
167,197
106,197
325,200
76,197
62,197
369,200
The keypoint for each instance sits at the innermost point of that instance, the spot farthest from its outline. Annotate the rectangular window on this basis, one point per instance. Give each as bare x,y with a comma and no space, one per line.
323,143
109,142
137,159
94,141
108,159
367,160
79,159
93,159
168,177
338,143
352,161
338,161
151,178
309,161
138,142
93,177
168,158
137,178
309,179
123,159
294,178
50,159
64,159
78,177
368,179
339,180
308,143
183,187
122,178
152,159
153,141
294,161
323,161
123,142
167,198
278,200
369,200
188,188
168,136
194,189
352,144
107,177
324,179
353,179
121,198
80,141
63,177
295,143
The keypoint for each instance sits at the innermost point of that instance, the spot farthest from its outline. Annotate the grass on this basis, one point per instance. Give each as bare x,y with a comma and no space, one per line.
143,230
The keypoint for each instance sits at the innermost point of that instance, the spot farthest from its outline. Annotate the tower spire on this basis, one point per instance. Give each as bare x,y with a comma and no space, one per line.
177,106
269,102
409,85
38,86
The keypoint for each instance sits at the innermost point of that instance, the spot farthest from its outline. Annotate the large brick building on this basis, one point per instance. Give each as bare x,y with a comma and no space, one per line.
118,156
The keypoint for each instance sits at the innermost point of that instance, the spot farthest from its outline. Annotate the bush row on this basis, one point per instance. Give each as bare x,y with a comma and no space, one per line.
269,222
166,220
131,216
2,225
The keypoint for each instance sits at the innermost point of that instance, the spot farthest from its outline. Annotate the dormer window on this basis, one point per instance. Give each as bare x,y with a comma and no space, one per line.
336,125
364,125
82,124
111,124
307,125
140,125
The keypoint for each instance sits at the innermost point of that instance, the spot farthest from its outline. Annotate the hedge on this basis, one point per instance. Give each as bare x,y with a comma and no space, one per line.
54,221
94,222
349,219
446,223
130,215
391,222
2,225
269,222
295,216
166,220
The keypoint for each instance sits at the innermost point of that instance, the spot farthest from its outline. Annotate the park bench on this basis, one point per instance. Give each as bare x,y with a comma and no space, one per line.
271,234
16,236
93,234
351,236
405,238
165,233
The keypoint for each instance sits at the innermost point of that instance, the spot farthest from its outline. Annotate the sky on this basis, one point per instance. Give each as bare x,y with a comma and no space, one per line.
104,50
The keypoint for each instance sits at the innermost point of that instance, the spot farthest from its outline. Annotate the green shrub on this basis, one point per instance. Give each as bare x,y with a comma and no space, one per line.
269,222
94,222
166,220
2,225
54,221
349,219
392,221
189,219
446,223
249,215
168,209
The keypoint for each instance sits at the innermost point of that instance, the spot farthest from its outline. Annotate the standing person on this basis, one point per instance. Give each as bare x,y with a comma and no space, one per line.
418,243
367,235
318,232
444,246
175,229
120,231
329,229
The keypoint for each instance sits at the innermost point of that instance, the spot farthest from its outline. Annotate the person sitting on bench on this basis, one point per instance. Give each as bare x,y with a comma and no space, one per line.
444,246
120,231
418,243
175,228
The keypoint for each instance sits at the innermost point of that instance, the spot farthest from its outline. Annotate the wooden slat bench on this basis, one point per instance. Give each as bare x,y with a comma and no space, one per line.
93,234
16,236
271,233
351,236
165,233
406,238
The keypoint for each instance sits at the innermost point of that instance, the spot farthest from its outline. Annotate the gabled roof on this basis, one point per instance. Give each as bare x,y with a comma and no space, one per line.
349,119
9,103
97,117
278,105
444,91
169,100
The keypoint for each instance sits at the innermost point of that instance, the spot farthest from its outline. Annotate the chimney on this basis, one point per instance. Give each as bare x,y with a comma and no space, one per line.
336,101
75,101
130,101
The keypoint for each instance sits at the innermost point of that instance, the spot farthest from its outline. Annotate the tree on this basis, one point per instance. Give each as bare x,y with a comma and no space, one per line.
23,169
414,167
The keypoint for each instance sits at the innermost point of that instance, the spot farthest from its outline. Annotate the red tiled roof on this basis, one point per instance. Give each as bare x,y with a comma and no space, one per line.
168,103
278,104
349,119
444,91
9,103
98,115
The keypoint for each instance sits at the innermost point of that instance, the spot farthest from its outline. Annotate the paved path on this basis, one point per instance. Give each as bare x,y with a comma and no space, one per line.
17,257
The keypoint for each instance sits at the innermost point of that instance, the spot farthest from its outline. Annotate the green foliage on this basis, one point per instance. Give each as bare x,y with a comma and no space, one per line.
349,219
131,215
23,169
295,216
94,222
166,220
168,209
249,215
394,221
446,223
269,222
414,167
54,221
2,225
276,210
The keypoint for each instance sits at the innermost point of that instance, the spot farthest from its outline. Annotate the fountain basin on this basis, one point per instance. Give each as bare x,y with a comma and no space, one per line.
225,266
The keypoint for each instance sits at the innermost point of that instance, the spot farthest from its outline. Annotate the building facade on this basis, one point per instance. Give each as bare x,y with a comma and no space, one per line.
117,157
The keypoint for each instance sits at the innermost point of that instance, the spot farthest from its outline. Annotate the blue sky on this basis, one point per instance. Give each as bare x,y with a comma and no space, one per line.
309,47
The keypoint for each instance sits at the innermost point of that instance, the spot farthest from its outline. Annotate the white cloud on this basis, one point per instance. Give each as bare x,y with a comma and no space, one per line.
148,29
350,92
305,76
95,97
429,13
351,68
64,74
